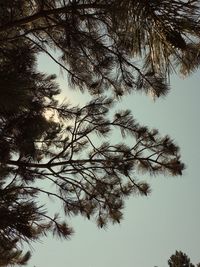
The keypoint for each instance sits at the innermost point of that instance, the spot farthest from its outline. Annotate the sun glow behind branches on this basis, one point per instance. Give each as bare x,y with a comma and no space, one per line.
51,115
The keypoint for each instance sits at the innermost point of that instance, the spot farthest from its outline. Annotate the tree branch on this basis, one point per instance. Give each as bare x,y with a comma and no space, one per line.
44,13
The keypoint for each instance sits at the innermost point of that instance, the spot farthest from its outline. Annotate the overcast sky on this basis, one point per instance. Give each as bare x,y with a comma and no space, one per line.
154,226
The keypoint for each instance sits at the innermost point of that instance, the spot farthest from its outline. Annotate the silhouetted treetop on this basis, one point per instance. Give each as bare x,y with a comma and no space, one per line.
73,149
123,45
71,153
180,259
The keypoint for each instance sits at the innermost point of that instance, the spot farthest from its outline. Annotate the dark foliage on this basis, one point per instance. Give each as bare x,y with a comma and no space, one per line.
180,259
89,179
118,45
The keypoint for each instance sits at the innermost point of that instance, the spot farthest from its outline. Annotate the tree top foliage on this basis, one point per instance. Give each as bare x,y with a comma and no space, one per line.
89,177
117,45
180,259
120,45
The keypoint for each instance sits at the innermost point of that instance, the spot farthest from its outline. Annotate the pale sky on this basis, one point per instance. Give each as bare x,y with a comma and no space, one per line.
154,226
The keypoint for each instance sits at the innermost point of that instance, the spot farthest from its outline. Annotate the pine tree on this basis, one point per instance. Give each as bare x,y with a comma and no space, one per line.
100,42
120,45
23,96
180,259
16,216
90,177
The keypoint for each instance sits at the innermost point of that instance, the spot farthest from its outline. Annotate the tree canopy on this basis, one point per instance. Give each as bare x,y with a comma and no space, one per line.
115,45
120,45
180,259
